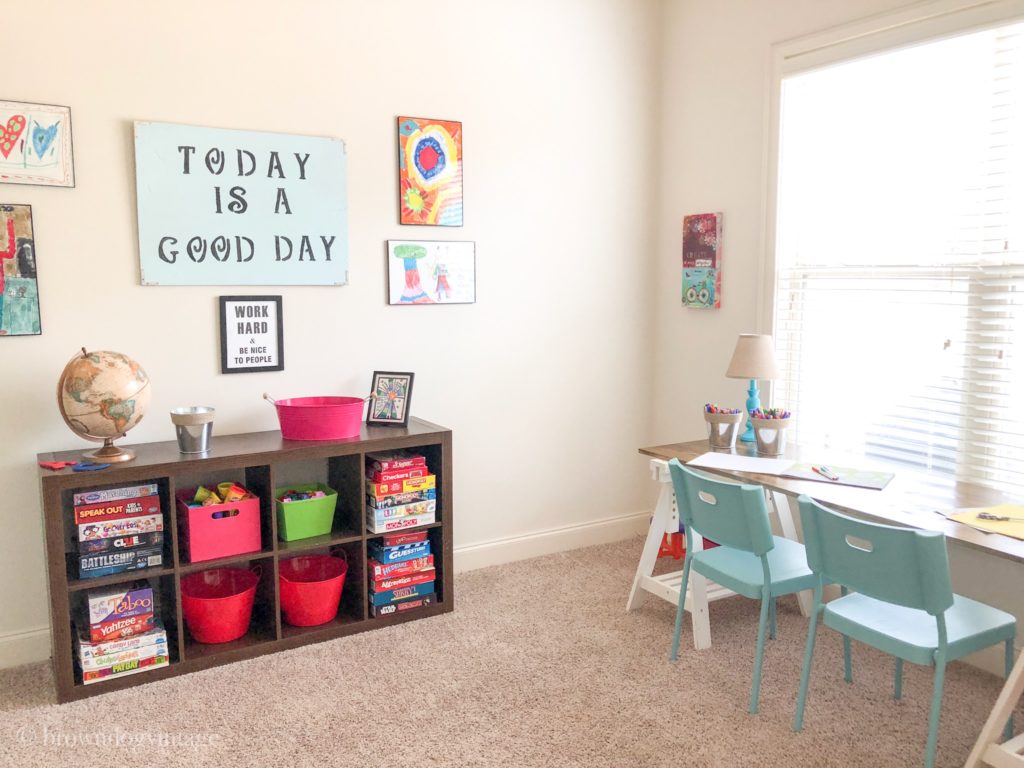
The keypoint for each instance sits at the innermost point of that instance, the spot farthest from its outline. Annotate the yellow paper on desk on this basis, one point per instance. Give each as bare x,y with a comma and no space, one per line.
1013,527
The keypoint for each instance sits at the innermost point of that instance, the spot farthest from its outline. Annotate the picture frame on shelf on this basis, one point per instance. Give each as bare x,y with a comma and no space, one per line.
251,334
390,396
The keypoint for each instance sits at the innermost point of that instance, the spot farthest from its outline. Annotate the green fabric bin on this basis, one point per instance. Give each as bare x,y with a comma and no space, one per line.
307,518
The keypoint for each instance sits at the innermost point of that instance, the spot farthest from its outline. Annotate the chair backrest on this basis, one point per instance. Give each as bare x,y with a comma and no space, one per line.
904,566
728,513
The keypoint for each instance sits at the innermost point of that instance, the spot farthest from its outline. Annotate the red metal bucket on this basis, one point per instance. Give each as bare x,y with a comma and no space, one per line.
319,418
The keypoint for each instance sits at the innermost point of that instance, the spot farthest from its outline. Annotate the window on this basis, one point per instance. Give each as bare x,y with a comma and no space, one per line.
899,265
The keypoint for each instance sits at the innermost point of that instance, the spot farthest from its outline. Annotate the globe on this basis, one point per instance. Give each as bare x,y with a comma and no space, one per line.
102,395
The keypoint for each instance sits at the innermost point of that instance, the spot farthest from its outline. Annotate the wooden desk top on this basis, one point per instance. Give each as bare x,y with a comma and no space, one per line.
911,498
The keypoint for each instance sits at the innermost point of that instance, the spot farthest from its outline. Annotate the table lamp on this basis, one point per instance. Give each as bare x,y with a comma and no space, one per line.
753,358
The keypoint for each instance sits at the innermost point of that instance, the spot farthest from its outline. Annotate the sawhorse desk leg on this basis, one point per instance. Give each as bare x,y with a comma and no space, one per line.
666,520
666,586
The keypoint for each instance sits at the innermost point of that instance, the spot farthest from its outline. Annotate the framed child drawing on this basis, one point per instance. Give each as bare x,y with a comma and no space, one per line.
390,394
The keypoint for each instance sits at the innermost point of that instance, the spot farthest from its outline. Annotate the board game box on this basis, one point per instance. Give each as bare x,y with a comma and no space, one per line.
407,580
380,570
129,526
403,605
399,523
384,462
394,595
93,565
115,494
398,539
119,603
88,649
397,554
142,652
413,508
123,669
399,474
154,539
115,630
380,490
117,510
397,499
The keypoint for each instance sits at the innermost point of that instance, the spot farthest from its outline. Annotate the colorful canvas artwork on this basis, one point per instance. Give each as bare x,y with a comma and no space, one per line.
35,144
431,272
702,261
430,171
19,293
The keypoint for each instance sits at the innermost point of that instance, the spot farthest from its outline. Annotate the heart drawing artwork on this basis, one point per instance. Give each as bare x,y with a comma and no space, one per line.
9,134
35,144
42,138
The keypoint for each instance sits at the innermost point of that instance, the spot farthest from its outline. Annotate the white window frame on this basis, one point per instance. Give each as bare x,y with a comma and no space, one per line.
930,20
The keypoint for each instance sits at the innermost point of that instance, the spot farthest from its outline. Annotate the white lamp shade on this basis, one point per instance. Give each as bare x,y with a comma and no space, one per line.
753,358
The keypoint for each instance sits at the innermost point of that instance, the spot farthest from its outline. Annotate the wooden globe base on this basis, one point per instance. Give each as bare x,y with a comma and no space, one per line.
109,453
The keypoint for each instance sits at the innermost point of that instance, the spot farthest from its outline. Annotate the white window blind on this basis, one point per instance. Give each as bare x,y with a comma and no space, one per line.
899,302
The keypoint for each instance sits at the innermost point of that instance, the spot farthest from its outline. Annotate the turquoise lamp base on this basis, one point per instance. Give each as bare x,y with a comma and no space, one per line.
753,403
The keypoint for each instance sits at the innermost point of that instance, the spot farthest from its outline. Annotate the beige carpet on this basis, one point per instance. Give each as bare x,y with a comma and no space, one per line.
538,666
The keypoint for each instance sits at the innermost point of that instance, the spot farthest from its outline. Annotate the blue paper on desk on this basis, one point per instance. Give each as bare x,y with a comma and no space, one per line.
859,478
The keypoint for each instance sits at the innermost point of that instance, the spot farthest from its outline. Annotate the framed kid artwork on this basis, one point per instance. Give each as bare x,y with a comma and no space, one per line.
702,261
431,272
35,144
430,171
390,394
19,291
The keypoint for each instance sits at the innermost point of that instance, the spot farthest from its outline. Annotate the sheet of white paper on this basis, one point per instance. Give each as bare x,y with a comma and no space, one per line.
712,460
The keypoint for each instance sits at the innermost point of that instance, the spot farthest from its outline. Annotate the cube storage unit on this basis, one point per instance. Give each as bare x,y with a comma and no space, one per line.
252,460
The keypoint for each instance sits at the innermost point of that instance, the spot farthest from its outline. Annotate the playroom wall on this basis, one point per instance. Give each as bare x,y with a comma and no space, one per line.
545,380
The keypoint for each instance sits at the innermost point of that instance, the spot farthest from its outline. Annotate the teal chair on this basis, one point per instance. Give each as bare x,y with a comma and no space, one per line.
749,561
902,602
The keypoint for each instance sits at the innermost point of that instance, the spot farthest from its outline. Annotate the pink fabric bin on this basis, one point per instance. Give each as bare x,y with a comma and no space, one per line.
219,530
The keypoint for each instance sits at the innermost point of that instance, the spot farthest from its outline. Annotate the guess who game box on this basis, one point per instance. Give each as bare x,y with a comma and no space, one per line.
402,573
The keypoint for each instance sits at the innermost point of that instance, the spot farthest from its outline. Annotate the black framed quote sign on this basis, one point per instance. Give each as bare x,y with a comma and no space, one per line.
251,337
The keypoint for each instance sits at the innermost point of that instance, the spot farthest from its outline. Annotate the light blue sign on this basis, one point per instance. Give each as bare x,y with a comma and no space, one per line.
223,207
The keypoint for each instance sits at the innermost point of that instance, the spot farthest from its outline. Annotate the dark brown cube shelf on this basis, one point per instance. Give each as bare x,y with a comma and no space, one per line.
258,460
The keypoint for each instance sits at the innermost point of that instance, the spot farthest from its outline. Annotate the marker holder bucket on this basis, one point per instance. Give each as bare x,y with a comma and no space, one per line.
770,435
722,429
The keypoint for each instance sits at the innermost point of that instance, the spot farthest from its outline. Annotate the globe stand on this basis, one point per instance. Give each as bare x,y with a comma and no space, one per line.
110,453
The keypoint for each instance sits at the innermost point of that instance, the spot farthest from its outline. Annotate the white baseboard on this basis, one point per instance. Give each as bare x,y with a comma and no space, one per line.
17,648
472,556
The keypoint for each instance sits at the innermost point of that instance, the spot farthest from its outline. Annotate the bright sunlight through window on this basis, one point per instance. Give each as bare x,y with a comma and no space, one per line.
899,303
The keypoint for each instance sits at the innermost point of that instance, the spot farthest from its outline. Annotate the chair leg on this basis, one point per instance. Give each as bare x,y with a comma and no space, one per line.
847,653
1008,730
805,674
933,719
680,609
898,692
755,688
771,617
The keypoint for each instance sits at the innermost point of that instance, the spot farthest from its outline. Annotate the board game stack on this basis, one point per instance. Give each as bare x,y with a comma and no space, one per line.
118,530
401,573
401,492
121,634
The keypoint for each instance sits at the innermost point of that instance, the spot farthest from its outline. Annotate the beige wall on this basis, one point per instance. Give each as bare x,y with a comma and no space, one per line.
545,380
